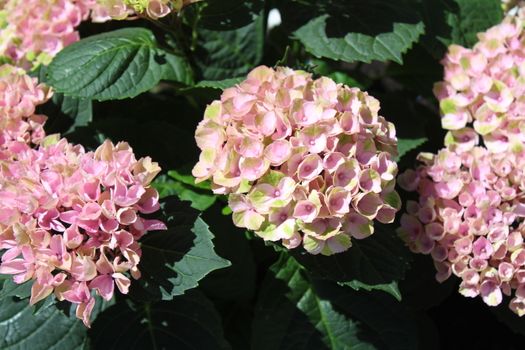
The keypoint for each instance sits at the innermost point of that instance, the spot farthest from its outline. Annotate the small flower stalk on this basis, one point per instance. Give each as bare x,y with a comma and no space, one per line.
304,161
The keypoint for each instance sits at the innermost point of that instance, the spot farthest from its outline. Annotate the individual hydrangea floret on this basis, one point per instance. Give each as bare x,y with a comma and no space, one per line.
470,219
511,5
19,96
483,90
123,9
70,219
303,161
32,32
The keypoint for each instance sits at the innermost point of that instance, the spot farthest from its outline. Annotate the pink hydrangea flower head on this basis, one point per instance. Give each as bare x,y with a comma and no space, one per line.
304,161
19,96
470,219
32,32
70,220
483,88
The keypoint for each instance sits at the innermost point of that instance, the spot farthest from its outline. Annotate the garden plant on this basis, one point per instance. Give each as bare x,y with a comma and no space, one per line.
262,174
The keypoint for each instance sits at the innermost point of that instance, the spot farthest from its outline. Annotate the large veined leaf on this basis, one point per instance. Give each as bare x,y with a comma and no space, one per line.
388,46
189,321
49,329
115,65
65,113
224,54
175,260
290,315
379,259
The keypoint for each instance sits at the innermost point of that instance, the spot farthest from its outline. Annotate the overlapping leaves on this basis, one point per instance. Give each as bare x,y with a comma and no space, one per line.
175,260
295,311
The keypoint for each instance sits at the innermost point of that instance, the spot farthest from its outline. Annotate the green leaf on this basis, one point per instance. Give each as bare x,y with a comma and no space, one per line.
175,260
352,47
379,259
395,325
323,68
49,329
390,288
219,84
224,15
471,17
406,145
290,315
238,282
11,289
115,65
80,110
188,180
199,197
232,53
42,305
189,321
65,113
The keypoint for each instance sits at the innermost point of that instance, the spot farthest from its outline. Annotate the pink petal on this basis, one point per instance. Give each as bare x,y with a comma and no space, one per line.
104,285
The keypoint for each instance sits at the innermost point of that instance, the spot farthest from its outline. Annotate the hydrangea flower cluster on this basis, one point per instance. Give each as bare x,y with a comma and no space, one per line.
32,32
122,9
19,125
303,160
470,212
483,88
69,219
470,219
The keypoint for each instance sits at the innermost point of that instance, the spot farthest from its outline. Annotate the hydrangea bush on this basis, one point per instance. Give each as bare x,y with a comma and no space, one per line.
262,174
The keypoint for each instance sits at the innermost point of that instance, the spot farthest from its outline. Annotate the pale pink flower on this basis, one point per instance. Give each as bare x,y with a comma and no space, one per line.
19,97
104,10
75,218
36,30
469,218
302,160
483,88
